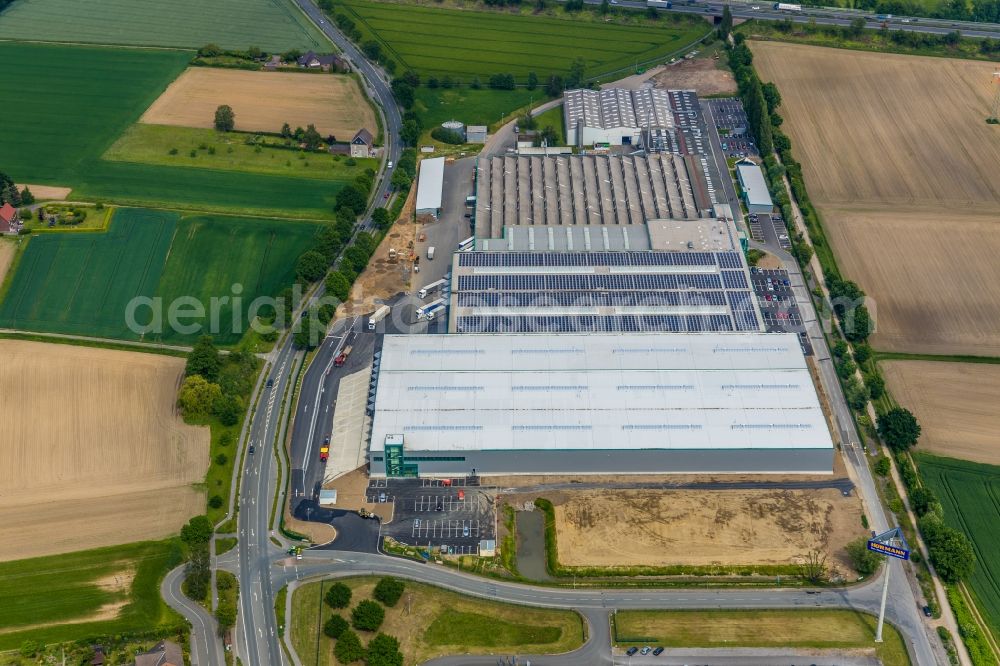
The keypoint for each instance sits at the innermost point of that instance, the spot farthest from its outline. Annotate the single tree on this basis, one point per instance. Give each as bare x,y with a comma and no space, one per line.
351,197
197,531
726,24
225,615
383,650
389,590
532,80
311,266
335,626
921,499
229,408
382,218
198,396
899,428
338,596
225,119
864,561
371,49
338,286
813,566
286,131
27,198
204,359
604,8
348,648
367,615
312,138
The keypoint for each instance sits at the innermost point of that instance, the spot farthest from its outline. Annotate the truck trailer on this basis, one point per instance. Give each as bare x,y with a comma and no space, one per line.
431,288
429,311
659,4
786,7
377,316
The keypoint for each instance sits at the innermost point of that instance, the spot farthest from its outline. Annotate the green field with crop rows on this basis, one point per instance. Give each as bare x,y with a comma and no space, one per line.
69,588
273,25
467,43
73,102
970,495
82,283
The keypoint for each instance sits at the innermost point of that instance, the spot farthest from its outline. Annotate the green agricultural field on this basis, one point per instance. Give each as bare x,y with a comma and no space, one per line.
73,587
468,43
82,283
472,107
211,254
273,25
970,495
83,98
227,151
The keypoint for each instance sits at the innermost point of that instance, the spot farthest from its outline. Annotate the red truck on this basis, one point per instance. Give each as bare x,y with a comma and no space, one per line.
340,360
324,451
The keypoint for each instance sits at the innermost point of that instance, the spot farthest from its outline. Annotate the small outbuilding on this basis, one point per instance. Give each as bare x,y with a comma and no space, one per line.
476,134
164,653
362,143
754,186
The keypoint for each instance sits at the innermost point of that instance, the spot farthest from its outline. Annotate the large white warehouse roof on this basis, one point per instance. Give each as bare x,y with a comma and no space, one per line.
578,392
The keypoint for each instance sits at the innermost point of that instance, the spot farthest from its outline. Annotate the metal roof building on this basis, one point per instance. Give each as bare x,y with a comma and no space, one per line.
430,185
615,116
754,186
454,405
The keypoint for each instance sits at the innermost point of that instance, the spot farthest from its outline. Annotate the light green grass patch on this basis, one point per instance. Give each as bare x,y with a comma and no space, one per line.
970,495
83,98
273,25
467,43
800,628
553,117
228,151
472,107
74,586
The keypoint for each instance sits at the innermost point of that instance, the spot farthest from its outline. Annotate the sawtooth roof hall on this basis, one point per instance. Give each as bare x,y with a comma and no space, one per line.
446,405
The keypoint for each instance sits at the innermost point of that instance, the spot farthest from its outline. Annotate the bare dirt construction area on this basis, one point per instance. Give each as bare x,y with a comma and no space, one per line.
956,404
263,101
695,527
903,168
92,451
699,74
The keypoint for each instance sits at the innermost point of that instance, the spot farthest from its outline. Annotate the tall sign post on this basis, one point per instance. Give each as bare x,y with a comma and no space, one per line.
890,544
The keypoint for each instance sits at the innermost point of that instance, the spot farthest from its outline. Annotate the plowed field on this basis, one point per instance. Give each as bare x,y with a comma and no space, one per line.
903,168
263,101
92,452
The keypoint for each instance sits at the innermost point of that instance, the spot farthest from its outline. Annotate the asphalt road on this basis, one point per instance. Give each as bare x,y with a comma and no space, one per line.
594,604
206,649
256,628
825,16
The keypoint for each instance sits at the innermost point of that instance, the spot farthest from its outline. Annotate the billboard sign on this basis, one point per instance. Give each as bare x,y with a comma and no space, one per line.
888,550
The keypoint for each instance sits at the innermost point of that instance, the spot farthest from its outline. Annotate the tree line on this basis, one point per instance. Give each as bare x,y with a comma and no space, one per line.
950,550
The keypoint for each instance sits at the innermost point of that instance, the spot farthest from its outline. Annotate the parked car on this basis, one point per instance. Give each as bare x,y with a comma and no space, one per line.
381,497
631,651
646,650
927,611
465,530
658,651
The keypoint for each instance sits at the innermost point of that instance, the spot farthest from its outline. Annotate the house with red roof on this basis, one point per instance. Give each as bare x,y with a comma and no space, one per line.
10,222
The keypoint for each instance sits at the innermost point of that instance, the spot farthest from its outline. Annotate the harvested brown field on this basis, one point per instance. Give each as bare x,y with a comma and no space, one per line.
92,452
903,168
263,101
956,404
7,251
704,527
47,192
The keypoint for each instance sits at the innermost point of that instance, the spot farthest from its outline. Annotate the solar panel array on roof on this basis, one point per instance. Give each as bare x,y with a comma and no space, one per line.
563,282
594,324
515,259
523,299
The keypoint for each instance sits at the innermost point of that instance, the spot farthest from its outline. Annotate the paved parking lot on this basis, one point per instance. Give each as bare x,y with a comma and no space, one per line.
777,304
428,513
731,123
